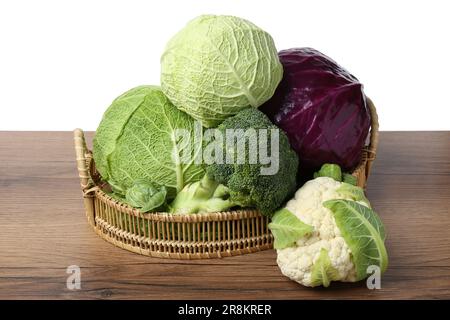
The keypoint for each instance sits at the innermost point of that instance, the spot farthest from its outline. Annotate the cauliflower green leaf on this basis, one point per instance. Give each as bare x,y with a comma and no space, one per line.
323,272
287,229
329,170
350,179
363,232
352,192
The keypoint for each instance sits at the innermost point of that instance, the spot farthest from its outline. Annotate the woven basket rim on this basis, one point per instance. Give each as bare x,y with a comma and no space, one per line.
91,186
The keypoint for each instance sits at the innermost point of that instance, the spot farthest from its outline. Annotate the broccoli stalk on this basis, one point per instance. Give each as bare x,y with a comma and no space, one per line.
205,195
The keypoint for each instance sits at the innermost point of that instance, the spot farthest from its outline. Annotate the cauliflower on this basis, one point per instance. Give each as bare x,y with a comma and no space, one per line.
317,231
296,262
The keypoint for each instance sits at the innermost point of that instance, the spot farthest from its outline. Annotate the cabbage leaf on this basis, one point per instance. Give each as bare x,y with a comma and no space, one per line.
352,192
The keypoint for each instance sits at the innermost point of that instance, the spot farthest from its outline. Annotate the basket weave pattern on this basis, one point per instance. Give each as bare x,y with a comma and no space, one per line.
195,236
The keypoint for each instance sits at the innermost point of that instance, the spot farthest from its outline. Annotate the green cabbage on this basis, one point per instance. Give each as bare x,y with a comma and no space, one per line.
219,65
136,140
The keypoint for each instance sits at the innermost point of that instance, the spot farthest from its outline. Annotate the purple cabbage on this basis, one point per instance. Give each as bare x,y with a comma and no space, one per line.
322,109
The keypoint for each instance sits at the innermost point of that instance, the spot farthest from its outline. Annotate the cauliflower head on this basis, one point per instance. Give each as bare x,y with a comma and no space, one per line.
323,251
297,262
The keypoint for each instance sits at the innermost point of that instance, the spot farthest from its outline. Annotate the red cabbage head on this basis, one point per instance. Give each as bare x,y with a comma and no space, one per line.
322,108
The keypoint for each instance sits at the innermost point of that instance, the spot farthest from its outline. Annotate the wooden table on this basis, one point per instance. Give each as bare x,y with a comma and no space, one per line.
43,230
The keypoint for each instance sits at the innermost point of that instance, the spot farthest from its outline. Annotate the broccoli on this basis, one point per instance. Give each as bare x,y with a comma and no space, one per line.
206,195
241,184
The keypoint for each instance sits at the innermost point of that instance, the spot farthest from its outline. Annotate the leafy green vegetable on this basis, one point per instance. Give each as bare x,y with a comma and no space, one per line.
146,195
363,232
322,271
135,139
287,229
350,179
329,170
218,65
355,193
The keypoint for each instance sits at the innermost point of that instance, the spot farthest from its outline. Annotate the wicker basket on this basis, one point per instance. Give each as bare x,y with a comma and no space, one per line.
196,236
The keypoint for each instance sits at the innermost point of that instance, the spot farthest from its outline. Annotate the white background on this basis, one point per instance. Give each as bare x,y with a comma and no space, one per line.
63,62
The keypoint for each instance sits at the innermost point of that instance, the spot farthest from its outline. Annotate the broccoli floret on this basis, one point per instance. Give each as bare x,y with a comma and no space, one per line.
245,182
242,183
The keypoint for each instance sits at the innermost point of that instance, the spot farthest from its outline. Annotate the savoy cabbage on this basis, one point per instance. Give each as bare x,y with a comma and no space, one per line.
219,65
135,140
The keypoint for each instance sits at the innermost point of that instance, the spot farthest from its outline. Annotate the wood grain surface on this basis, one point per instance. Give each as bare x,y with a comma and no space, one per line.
43,230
